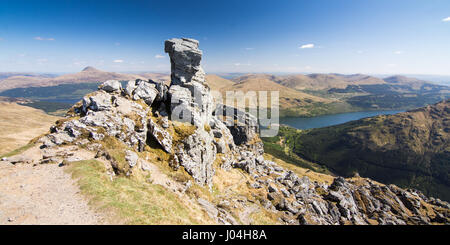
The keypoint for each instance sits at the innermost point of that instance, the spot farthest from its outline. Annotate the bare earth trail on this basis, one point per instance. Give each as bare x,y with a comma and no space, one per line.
42,194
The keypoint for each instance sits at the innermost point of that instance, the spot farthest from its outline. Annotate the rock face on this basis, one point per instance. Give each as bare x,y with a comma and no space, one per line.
190,98
185,60
196,154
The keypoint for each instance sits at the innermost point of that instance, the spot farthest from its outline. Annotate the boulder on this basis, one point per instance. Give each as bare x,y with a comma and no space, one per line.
111,86
146,91
131,86
132,158
99,101
160,135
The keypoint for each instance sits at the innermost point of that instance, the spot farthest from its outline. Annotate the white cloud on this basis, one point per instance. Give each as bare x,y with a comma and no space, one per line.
118,61
158,56
398,52
41,61
249,48
79,63
310,45
359,51
446,19
240,64
392,65
44,39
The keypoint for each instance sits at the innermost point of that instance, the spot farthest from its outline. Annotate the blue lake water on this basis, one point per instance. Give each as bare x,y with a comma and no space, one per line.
330,120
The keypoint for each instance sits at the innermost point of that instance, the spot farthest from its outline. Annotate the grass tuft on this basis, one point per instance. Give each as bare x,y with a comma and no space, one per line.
132,202
17,151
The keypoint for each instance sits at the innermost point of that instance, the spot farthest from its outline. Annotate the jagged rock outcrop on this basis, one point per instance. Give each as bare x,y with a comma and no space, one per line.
356,201
143,111
103,114
190,98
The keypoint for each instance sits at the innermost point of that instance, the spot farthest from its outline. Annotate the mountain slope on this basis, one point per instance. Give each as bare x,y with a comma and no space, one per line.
402,79
4,75
291,102
216,82
411,149
19,124
325,81
288,97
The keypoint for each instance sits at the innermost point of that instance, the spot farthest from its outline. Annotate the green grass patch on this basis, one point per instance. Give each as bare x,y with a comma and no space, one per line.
132,201
17,151
281,147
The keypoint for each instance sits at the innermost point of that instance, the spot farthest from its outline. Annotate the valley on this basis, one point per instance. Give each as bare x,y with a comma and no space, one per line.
300,95
410,149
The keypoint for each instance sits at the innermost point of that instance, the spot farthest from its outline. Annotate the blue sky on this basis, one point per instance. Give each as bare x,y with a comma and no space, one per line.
343,36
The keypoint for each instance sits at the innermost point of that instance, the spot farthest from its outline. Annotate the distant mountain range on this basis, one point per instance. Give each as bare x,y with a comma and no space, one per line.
4,75
325,81
87,75
300,95
318,94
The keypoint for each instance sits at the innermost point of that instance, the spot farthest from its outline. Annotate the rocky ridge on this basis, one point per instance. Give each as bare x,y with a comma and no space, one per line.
183,122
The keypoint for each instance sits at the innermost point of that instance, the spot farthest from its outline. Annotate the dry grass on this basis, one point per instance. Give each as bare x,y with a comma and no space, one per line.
181,130
233,184
17,151
207,128
264,217
19,124
288,97
216,83
132,201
